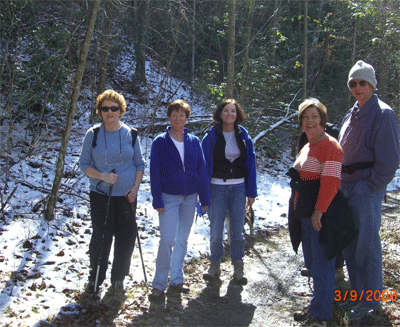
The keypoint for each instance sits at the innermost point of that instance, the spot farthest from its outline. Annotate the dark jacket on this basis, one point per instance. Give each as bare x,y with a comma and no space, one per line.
338,229
249,159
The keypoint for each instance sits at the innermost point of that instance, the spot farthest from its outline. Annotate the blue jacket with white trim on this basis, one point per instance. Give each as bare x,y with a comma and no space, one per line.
168,174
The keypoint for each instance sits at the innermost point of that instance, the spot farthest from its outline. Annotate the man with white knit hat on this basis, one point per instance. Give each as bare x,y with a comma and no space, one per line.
370,140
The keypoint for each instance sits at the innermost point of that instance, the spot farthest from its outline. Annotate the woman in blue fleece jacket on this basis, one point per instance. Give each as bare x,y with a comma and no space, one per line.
178,174
231,163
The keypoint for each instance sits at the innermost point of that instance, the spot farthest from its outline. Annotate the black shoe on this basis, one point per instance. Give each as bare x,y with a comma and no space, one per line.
176,290
156,295
301,315
117,287
305,272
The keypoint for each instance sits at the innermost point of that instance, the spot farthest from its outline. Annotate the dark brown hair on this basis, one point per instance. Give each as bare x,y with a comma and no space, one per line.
239,111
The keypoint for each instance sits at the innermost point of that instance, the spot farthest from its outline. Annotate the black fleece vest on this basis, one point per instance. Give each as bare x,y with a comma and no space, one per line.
222,167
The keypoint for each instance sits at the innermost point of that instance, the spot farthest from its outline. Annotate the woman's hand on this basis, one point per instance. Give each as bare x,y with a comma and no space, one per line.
250,201
316,220
110,178
160,210
204,208
131,194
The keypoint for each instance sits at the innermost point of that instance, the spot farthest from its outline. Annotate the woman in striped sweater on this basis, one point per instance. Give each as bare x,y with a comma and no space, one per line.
320,159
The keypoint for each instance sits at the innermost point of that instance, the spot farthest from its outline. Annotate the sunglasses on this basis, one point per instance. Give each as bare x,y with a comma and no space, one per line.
353,84
113,109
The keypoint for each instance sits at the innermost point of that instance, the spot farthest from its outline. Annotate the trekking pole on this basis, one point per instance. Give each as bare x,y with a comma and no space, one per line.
140,247
102,239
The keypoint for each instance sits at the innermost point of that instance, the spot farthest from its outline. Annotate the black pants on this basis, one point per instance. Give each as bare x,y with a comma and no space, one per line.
121,224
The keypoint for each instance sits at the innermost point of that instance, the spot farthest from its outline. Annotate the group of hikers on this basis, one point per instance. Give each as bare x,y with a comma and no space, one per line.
334,210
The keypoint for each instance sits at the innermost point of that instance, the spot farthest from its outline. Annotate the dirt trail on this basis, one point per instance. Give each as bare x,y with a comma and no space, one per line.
274,291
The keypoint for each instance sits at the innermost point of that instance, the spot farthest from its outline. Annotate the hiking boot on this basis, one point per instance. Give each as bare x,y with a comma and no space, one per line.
301,315
313,322
214,271
176,290
305,272
348,305
156,294
90,287
238,274
117,287
339,274
363,309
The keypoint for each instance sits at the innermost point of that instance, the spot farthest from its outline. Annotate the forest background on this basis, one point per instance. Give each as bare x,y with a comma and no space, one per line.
57,56
269,55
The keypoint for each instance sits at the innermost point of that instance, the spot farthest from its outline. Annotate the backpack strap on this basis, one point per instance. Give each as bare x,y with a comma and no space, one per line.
134,136
95,133
97,129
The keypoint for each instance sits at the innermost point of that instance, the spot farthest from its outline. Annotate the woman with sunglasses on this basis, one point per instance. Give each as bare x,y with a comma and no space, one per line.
112,159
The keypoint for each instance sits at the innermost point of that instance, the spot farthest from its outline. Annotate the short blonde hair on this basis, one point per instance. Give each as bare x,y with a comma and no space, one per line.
176,106
112,96
312,102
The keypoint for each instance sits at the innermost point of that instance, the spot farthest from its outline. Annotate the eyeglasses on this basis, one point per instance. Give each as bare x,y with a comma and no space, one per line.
175,117
353,84
313,117
113,109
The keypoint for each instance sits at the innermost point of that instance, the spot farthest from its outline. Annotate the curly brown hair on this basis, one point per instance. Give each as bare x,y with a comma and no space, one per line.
239,111
112,96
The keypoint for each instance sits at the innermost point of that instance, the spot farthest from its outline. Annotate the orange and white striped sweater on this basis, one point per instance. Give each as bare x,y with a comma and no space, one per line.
321,161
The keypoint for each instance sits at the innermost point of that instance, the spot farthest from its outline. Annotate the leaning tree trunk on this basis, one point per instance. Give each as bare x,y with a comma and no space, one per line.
49,213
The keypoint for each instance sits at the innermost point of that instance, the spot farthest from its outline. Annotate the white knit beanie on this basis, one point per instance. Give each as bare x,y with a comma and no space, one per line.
364,71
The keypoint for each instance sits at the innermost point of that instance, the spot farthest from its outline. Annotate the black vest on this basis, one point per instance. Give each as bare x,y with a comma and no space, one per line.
222,167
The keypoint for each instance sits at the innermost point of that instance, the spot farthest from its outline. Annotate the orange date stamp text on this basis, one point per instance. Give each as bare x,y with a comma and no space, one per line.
385,295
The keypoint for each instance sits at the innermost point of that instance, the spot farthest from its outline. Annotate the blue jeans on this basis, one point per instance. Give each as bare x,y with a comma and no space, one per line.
364,255
175,225
322,271
224,198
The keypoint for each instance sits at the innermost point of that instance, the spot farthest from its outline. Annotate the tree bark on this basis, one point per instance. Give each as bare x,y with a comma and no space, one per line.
193,43
231,50
104,50
305,50
243,85
49,213
141,22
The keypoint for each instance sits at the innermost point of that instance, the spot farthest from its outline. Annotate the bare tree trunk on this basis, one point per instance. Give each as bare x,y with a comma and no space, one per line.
193,42
353,58
141,22
49,213
231,50
325,55
315,40
305,50
274,30
243,85
104,49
